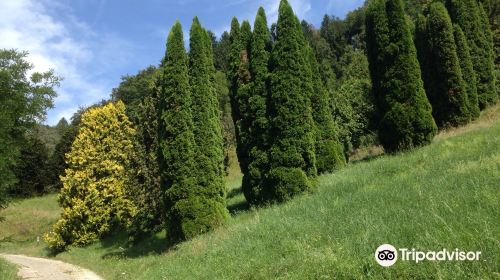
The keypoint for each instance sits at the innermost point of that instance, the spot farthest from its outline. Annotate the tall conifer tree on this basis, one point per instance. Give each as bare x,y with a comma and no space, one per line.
443,80
242,92
406,113
467,14
257,110
292,153
177,145
329,151
465,60
210,205
239,76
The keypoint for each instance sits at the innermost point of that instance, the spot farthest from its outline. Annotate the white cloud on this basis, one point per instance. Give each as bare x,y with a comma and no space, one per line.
64,44
300,7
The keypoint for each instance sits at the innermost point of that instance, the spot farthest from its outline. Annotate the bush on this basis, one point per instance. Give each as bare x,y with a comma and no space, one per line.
94,197
287,182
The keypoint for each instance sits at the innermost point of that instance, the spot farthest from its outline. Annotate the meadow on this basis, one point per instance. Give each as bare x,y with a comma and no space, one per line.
445,195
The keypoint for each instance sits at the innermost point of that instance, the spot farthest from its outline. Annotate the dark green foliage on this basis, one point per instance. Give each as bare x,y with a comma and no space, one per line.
468,73
228,134
57,163
258,123
243,92
176,139
145,190
207,128
30,170
467,14
491,34
241,89
443,79
353,104
133,89
492,9
333,30
292,154
406,113
319,44
286,182
221,49
23,103
234,73
414,8
140,93
329,151
355,31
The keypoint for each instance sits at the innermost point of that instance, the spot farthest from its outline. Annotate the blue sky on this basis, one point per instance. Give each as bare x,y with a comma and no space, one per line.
92,43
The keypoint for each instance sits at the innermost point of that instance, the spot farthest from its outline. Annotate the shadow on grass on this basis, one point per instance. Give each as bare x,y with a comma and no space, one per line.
366,158
234,192
238,207
153,244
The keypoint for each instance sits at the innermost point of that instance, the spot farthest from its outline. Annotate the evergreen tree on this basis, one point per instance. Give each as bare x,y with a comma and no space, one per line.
31,169
406,113
210,205
489,33
467,14
468,73
241,93
443,79
146,190
257,110
57,163
221,50
94,197
234,73
291,154
177,145
352,103
329,151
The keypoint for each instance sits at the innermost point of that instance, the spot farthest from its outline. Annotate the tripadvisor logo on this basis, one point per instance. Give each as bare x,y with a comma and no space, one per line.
386,255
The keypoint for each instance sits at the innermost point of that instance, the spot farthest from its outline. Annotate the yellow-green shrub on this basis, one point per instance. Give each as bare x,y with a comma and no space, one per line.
94,197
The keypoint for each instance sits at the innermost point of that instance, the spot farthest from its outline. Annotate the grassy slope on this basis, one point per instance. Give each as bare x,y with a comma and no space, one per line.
445,195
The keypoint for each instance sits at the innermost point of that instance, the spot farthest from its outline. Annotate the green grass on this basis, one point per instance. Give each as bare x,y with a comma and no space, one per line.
7,271
445,195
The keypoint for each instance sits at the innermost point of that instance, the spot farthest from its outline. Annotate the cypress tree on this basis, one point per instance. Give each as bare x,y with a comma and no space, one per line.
488,34
210,204
467,14
241,96
406,113
291,154
467,70
240,76
329,151
257,110
443,80
176,142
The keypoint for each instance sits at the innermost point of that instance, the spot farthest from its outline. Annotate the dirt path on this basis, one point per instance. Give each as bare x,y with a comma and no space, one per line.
46,269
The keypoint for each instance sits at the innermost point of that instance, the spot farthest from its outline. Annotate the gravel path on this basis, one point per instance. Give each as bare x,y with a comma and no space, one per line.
46,269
